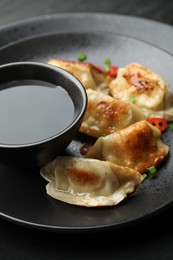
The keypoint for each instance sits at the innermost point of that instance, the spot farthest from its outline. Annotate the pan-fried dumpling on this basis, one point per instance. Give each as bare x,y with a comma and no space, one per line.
105,114
89,182
89,75
138,146
149,90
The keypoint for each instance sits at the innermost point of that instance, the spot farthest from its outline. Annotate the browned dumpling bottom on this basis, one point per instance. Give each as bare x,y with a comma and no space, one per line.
89,182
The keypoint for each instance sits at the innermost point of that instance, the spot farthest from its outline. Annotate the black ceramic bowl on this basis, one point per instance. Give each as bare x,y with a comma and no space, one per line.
41,109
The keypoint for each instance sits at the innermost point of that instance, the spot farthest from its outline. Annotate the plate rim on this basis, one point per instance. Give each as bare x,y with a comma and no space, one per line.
159,41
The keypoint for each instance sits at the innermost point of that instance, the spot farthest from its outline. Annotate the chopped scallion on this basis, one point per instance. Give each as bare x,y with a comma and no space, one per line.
151,171
171,126
82,56
107,64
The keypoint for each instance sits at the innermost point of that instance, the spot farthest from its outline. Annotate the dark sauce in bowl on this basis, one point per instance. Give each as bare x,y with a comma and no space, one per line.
33,110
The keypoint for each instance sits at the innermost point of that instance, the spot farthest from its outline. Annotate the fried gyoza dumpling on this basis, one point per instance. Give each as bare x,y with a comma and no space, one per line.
89,182
105,114
148,89
138,146
88,74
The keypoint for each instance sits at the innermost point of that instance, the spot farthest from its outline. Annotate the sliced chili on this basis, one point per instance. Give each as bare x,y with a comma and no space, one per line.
113,71
85,147
158,122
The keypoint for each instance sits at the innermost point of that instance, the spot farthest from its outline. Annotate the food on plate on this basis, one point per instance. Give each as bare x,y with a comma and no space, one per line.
138,146
159,122
89,182
148,89
105,114
126,115
89,75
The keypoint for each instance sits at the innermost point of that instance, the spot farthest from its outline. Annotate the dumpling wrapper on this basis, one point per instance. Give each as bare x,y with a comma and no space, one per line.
105,115
88,74
138,146
149,90
89,182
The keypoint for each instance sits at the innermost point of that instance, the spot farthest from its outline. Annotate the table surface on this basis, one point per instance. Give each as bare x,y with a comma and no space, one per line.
150,240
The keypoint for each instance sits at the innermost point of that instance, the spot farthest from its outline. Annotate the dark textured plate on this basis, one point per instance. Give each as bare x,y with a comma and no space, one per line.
124,39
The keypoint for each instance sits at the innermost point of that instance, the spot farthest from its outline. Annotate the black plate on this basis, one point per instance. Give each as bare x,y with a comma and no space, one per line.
124,39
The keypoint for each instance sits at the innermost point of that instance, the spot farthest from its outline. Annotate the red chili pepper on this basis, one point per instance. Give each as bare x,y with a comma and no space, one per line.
113,71
85,148
158,122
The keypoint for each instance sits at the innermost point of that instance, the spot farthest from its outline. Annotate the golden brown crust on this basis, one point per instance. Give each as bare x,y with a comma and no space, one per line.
105,114
148,89
141,79
82,177
138,146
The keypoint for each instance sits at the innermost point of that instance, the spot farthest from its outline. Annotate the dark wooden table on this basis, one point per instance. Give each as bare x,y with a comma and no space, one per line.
150,240
159,10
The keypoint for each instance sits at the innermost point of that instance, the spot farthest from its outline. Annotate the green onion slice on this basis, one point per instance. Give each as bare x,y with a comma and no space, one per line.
151,171
82,56
107,64
171,126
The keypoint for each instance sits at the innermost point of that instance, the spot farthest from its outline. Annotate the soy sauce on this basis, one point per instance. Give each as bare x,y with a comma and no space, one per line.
31,111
